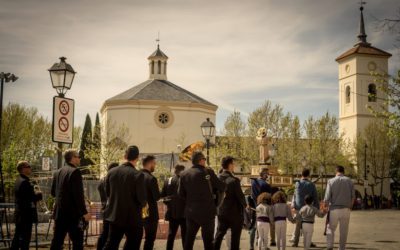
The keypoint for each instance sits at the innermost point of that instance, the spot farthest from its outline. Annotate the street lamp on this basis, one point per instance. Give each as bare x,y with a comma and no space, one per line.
62,75
208,130
365,176
322,171
4,77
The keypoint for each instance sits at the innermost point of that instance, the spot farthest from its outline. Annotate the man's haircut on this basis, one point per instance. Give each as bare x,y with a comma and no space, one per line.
226,161
179,168
132,153
69,154
112,165
21,165
340,169
197,157
308,199
146,160
264,171
305,172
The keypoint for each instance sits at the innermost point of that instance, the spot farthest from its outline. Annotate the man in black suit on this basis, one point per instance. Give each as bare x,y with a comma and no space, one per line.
150,222
126,197
230,213
70,209
25,207
175,207
197,187
103,198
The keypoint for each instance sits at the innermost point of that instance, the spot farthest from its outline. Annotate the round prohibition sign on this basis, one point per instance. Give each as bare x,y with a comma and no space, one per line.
63,124
64,107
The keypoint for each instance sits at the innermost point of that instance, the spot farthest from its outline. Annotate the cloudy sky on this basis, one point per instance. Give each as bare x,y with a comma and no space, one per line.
235,54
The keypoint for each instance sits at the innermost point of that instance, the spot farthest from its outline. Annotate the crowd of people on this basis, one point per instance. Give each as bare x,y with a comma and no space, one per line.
196,199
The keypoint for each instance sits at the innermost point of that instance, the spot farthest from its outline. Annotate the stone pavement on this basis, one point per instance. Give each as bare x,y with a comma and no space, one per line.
369,230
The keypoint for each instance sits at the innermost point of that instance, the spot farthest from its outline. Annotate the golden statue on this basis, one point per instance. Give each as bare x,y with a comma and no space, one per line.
263,148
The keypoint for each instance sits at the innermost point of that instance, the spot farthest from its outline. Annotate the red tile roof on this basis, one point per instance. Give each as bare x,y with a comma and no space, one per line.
364,49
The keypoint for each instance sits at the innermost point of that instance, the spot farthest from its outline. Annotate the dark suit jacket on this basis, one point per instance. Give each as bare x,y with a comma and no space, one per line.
175,203
126,196
234,201
153,194
102,192
194,189
25,200
67,188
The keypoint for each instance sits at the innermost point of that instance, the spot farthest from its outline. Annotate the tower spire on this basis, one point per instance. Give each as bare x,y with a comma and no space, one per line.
362,36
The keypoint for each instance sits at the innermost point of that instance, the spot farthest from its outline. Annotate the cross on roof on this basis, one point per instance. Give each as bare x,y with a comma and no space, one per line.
361,4
158,39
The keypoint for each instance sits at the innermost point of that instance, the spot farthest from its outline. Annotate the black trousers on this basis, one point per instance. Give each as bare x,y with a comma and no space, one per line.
22,236
224,223
101,242
174,224
150,228
75,232
207,233
133,234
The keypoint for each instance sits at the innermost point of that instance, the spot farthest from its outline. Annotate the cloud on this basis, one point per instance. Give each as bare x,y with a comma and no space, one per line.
236,54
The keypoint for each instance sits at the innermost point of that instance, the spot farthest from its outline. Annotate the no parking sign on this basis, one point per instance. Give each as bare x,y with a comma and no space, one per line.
63,119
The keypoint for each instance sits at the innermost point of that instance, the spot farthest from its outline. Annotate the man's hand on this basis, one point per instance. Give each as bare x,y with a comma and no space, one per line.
86,217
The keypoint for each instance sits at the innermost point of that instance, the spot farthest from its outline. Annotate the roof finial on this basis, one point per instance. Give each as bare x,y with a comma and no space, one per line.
362,36
158,40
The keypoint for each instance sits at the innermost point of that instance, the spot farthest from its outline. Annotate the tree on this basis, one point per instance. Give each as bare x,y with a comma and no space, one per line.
114,140
26,135
96,140
381,153
86,141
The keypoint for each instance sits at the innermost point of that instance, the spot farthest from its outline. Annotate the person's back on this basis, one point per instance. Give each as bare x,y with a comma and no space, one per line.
234,200
125,190
341,192
304,187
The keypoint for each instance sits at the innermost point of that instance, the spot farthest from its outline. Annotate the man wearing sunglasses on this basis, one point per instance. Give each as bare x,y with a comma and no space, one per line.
25,207
70,208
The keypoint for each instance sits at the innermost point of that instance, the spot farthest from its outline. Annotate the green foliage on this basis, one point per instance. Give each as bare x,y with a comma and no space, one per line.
86,141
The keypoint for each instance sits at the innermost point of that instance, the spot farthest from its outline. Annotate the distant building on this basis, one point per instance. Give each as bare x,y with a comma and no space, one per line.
159,114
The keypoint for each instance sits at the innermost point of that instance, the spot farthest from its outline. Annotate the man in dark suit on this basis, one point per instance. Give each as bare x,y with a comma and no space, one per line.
175,207
150,223
126,197
197,187
70,209
103,198
230,213
25,207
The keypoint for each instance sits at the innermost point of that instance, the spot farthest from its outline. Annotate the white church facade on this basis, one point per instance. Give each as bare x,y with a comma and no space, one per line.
158,114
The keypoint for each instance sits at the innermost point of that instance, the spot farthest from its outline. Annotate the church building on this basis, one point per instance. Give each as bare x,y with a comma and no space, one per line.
159,114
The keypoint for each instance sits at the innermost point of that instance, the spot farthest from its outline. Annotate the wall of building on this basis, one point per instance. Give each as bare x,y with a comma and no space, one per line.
146,132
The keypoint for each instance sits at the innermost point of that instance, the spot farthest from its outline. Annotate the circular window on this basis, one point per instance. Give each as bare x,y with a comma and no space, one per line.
163,118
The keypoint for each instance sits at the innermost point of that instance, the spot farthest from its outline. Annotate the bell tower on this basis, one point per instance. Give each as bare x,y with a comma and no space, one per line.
357,88
158,64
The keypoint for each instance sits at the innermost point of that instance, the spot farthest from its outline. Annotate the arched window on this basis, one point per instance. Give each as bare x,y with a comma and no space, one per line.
165,68
159,67
348,92
371,92
152,67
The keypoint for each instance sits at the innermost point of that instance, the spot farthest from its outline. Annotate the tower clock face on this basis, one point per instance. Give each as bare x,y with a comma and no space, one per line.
371,66
347,68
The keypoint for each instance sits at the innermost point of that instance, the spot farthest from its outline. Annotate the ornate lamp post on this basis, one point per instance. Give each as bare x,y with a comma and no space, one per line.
321,172
62,75
365,176
4,77
208,130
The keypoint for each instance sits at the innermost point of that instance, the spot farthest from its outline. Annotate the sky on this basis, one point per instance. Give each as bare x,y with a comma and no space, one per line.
235,54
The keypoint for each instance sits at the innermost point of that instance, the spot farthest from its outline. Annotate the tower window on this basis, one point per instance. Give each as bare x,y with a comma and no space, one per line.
371,92
159,67
348,94
152,67
165,68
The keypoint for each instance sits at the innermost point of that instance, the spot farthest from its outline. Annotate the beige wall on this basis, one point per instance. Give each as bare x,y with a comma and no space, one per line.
144,131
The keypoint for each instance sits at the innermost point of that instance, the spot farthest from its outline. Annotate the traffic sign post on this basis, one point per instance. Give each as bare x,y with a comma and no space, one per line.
63,119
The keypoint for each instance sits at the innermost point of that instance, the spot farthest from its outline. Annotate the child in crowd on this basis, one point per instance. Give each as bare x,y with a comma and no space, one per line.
265,216
307,213
281,214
